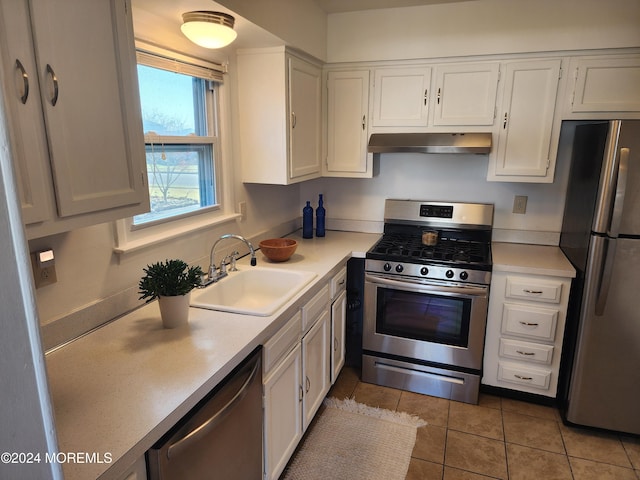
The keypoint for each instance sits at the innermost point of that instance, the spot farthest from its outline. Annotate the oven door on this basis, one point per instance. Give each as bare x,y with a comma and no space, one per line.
424,320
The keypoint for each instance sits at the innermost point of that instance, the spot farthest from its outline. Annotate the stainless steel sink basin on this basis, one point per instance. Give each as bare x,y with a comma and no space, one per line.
252,291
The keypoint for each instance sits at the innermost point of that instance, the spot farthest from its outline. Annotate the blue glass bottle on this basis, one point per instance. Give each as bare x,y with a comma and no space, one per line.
307,221
320,214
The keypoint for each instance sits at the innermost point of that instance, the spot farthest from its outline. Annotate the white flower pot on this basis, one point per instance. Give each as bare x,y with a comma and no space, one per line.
174,311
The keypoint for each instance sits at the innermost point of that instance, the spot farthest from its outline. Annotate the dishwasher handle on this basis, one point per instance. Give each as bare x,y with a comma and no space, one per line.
208,425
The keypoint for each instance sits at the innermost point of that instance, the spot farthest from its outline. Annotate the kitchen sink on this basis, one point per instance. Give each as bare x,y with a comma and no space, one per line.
252,291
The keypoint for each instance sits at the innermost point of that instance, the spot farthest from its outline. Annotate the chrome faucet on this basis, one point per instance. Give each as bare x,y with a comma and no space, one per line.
214,274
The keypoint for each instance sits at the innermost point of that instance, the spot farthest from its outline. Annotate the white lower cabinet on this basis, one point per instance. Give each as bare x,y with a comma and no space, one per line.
525,329
296,380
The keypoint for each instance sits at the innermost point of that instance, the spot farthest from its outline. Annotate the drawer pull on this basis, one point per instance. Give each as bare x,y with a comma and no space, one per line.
529,324
520,377
533,292
525,353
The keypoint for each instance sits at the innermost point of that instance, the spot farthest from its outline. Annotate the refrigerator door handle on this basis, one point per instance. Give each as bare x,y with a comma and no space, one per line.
611,245
621,189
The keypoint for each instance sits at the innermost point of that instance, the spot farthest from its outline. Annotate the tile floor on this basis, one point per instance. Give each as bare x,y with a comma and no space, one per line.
498,439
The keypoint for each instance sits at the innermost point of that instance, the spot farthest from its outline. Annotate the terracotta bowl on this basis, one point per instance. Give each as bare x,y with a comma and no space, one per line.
278,249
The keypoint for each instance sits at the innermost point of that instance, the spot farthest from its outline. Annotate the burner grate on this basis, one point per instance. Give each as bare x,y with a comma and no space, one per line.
448,250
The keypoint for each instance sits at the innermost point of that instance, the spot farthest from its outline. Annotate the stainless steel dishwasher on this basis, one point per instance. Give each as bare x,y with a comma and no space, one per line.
221,437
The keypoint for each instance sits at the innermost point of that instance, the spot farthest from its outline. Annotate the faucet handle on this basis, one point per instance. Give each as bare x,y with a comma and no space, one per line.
234,258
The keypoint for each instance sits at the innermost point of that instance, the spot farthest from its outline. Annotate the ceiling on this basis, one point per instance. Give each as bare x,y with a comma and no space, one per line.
340,6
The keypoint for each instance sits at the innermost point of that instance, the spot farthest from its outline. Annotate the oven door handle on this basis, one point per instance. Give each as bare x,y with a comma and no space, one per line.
461,290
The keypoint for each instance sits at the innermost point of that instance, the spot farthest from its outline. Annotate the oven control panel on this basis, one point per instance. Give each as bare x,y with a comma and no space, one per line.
428,272
436,211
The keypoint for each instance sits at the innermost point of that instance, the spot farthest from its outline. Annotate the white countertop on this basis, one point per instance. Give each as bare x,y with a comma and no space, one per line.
531,259
118,389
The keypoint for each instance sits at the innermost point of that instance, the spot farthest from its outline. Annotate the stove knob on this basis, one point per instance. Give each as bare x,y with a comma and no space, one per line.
399,268
387,267
449,274
424,271
464,275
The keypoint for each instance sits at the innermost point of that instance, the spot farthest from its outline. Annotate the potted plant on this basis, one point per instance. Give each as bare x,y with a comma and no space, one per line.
171,283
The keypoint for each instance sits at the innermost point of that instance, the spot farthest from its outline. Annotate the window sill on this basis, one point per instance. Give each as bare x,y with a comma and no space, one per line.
125,244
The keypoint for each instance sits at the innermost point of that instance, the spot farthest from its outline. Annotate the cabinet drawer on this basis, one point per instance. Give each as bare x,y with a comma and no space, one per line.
282,342
525,351
529,321
524,376
338,283
533,289
313,308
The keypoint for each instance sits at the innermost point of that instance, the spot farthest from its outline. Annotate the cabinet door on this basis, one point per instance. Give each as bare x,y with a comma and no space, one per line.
305,110
282,413
466,94
523,133
347,103
338,326
401,97
315,366
87,70
607,85
20,83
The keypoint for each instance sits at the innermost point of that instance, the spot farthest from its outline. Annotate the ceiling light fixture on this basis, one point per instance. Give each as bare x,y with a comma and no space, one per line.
209,29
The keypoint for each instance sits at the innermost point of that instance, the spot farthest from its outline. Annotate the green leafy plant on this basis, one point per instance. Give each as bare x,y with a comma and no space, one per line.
168,279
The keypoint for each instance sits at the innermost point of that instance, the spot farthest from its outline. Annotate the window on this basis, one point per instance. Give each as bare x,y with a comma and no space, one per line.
182,100
179,115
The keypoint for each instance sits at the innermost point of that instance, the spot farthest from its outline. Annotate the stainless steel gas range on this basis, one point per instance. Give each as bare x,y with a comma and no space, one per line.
426,296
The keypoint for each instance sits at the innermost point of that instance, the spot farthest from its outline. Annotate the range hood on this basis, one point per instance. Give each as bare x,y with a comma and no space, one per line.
430,143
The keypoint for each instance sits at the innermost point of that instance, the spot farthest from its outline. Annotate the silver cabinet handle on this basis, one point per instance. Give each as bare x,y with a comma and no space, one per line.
504,124
527,324
438,97
525,353
307,384
25,82
533,292
520,377
54,79
301,393
293,120
363,122
335,344
426,96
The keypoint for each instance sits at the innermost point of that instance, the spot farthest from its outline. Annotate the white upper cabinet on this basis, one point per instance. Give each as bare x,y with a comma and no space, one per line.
401,97
73,64
347,124
525,135
606,84
465,94
279,98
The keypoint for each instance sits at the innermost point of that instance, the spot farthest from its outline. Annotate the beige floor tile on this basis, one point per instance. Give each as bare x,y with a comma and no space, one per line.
423,470
632,447
345,384
430,442
532,432
589,470
376,395
457,474
475,419
476,454
489,401
596,446
435,411
532,464
532,409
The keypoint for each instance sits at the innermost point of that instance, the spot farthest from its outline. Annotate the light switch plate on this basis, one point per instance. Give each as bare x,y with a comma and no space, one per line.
520,204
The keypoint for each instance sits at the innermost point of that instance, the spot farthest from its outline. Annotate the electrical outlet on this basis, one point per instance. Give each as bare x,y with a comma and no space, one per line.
42,275
242,210
520,204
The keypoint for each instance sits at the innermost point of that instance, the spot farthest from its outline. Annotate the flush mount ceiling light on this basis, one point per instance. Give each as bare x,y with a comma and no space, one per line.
209,29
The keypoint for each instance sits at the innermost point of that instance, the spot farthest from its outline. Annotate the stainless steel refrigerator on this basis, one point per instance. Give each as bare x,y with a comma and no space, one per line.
600,373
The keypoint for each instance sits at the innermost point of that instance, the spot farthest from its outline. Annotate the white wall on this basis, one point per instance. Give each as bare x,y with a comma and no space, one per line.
482,27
